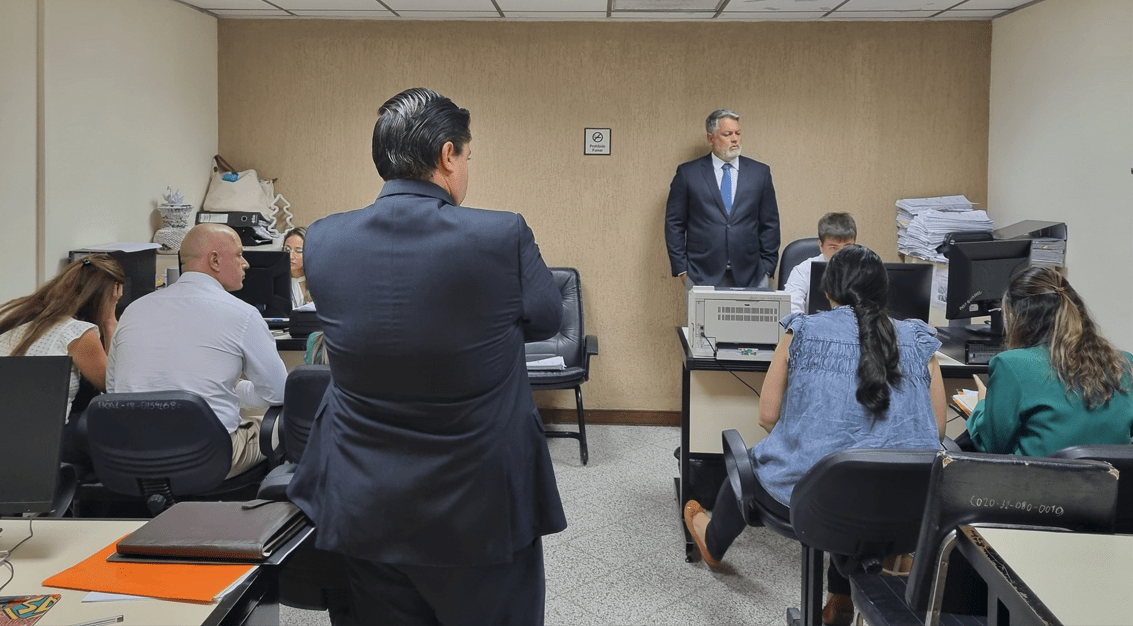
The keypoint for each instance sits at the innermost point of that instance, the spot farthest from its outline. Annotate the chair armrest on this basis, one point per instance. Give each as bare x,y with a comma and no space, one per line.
274,485
949,444
740,473
267,428
591,345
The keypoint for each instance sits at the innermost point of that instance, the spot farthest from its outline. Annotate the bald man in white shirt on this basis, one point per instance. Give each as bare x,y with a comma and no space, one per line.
195,336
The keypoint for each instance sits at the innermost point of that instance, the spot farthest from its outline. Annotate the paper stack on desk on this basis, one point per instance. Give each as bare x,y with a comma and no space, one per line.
549,363
965,402
922,224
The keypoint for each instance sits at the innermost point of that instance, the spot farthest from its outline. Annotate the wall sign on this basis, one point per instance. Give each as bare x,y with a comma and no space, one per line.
597,141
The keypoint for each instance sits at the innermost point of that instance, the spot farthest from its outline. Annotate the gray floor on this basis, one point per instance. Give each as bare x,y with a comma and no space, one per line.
621,560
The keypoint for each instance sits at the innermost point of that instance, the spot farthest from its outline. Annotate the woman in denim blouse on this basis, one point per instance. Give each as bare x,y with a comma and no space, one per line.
846,378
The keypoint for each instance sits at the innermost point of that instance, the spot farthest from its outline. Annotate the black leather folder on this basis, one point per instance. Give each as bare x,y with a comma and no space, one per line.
214,531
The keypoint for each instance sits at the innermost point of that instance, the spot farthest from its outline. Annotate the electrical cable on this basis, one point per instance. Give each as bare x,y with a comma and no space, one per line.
7,558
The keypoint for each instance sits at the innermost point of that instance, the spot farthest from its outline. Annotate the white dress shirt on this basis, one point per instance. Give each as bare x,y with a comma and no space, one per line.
798,284
194,336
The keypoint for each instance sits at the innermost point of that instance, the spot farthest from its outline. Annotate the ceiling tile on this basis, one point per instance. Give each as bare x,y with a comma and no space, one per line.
1004,5
210,5
666,5
238,13
662,15
440,5
969,15
449,15
897,6
508,6
346,15
882,15
771,15
782,5
555,15
328,5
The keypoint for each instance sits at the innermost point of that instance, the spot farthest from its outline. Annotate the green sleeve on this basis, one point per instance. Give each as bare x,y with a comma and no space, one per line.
994,425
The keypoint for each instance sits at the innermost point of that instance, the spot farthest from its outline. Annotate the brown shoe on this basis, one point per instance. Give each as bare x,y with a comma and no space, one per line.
839,610
692,508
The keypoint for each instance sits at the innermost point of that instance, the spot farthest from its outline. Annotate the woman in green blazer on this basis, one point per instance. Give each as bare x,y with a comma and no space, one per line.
1059,383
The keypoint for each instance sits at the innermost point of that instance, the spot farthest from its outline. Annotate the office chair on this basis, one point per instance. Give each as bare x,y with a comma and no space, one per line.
310,579
960,489
859,505
1120,456
165,446
576,348
796,252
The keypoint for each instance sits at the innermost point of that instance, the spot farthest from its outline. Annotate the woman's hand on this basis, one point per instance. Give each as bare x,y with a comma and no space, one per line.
109,319
981,389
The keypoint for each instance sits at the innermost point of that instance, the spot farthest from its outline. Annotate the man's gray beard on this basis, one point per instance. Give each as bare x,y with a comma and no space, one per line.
732,154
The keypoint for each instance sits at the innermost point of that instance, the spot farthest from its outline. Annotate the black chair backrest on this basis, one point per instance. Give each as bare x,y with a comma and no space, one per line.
157,435
1120,456
863,503
1036,492
570,340
796,252
33,407
302,395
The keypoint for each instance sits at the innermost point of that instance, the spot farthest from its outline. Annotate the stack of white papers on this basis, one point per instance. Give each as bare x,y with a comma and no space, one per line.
550,363
922,224
1048,252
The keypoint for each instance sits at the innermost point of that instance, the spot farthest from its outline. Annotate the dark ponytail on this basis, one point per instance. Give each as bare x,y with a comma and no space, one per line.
856,276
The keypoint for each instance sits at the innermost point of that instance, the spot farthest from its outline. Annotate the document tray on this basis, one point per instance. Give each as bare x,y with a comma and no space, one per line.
224,531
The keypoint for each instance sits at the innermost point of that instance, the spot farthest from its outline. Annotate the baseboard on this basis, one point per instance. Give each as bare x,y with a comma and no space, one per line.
619,417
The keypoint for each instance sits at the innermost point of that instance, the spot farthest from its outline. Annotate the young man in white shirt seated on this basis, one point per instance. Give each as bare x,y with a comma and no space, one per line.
835,230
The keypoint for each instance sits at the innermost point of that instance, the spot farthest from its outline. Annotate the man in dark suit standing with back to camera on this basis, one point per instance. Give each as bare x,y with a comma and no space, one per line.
427,467
721,219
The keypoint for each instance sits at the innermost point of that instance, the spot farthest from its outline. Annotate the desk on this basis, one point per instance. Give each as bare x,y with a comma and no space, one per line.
714,400
1044,577
60,543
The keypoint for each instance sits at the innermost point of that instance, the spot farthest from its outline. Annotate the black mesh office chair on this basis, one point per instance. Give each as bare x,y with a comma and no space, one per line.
310,579
796,252
960,488
574,346
165,446
859,505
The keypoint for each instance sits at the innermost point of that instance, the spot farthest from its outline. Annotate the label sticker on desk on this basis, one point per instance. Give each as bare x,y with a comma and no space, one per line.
25,610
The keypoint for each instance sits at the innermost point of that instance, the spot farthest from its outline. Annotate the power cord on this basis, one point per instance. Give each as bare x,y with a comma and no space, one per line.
6,554
714,352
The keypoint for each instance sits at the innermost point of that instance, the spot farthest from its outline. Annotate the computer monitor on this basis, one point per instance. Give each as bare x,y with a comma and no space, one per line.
910,290
267,282
34,393
979,273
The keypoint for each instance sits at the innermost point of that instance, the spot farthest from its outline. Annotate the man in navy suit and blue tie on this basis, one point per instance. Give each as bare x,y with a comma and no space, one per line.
721,219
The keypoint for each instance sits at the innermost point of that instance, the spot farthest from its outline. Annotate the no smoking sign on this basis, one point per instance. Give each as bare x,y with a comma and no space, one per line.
597,141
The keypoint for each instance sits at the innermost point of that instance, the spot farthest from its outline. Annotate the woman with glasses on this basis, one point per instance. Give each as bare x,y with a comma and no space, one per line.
293,246
70,315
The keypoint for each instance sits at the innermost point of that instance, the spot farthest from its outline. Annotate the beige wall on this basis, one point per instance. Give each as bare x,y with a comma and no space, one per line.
17,146
849,116
1061,140
123,93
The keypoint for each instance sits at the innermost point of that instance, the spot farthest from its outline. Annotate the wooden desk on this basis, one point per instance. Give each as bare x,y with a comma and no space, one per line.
60,543
1044,577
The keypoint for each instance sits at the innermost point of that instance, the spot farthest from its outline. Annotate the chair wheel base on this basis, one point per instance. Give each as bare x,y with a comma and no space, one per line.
794,617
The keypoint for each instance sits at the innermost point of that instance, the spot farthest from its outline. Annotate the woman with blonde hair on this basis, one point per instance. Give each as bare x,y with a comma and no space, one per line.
1059,383
70,315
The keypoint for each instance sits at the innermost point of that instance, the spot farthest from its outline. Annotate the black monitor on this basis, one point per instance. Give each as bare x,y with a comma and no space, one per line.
910,290
979,273
267,282
33,406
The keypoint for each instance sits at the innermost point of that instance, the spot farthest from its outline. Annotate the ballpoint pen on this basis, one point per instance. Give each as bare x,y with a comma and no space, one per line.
114,619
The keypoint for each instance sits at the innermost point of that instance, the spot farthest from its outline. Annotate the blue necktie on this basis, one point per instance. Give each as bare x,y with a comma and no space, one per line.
726,188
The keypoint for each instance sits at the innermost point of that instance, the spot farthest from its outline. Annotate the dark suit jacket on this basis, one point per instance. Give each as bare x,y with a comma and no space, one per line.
428,449
702,239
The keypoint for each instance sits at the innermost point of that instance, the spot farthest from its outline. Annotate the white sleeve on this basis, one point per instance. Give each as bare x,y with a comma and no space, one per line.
265,372
798,285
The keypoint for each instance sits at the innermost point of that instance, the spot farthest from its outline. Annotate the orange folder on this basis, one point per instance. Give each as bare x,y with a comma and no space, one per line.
168,581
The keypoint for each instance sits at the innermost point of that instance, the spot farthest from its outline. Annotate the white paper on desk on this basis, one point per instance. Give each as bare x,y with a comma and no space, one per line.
98,596
310,306
549,363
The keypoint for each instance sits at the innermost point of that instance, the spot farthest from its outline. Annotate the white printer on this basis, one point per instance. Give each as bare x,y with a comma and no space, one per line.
735,319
